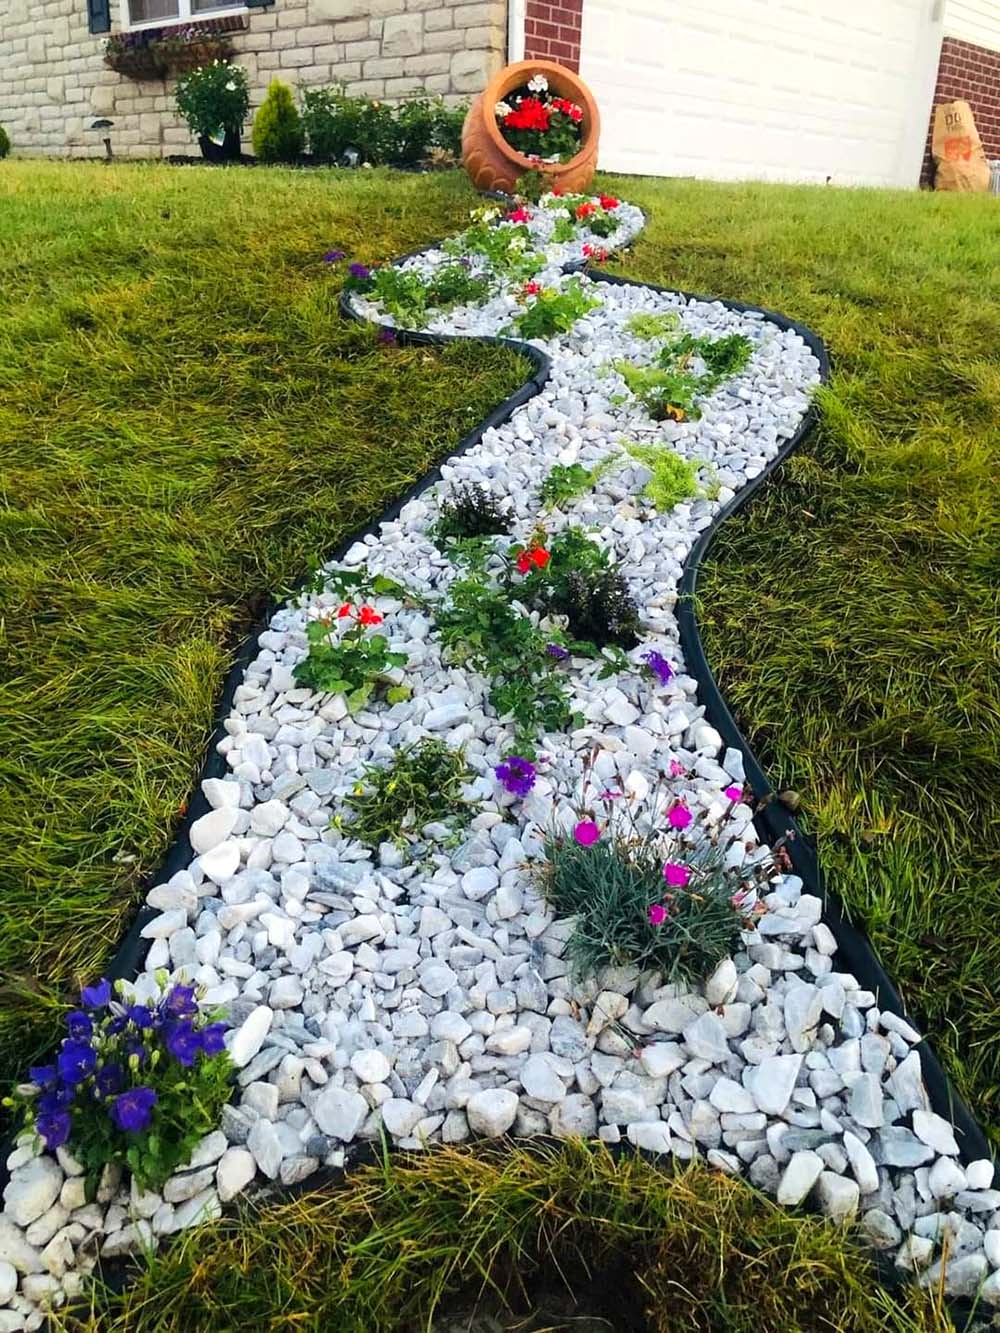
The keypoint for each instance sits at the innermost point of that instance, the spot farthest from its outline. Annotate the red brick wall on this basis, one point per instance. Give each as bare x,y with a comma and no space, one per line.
552,31
972,74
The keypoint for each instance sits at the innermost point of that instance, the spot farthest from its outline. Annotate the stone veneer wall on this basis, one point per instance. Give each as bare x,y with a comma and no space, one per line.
53,80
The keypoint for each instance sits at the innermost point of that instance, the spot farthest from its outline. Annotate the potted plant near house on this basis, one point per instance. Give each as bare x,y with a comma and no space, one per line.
533,116
215,100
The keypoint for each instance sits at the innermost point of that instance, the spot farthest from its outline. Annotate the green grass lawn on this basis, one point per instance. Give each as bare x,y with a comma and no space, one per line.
186,424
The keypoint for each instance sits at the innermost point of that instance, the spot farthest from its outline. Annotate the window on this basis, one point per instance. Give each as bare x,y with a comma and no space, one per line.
154,13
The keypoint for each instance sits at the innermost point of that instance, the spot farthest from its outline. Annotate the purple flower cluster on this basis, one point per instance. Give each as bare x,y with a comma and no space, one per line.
658,666
516,774
105,1042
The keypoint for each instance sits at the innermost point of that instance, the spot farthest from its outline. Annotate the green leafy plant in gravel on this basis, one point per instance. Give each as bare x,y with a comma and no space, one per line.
649,327
506,249
411,1241
580,581
674,479
555,310
409,296
671,389
566,482
471,510
350,661
480,628
614,891
155,498
421,785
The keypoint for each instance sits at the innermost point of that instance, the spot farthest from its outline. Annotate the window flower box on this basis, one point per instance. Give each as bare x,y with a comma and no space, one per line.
136,59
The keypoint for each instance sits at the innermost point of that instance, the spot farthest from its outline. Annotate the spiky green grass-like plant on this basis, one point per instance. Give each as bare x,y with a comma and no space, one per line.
421,785
674,479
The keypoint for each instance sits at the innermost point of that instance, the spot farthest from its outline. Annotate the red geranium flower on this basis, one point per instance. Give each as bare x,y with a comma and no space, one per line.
369,616
519,215
537,556
530,115
593,252
532,288
345,610
558,191
540,556
585,210
608,202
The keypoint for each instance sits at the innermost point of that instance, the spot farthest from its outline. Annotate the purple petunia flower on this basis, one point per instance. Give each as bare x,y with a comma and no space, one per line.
79,1025
658,666
388,336
54,1127
76,1061
332,256
141,1015
213,1038
132,1110
180,1003
516,774
183,1042
557,651
359,271
96,997
110,1080
43,1076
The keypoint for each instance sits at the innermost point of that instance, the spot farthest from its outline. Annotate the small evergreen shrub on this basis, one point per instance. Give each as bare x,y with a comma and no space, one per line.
4,143
471,510
277,127
214,99
421,785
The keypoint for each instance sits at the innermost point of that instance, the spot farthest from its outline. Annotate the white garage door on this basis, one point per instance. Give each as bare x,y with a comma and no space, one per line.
763,89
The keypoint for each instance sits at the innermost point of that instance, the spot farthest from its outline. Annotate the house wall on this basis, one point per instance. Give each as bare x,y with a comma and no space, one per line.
53,80
970,73
552,31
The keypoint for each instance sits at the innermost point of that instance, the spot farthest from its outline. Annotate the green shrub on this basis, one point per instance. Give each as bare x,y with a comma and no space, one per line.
667,395
408,296
277,127
214,100
351,663
674,479
626,912
565,482
335,122
421,785
579,581
4,143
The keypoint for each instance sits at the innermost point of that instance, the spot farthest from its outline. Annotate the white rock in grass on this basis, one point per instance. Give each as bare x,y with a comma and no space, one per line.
935,1132
915,1253
862,1163
989,1292
492,1112
340,1112
235,1171
540,1080
399,1115
798,1178
370,1066
32,1190
962,1276
650,1136
838,1196
772,1082
720,988
8,1282
214,828
249,1038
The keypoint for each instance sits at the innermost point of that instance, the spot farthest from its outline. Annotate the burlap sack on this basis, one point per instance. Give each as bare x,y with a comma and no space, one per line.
959,160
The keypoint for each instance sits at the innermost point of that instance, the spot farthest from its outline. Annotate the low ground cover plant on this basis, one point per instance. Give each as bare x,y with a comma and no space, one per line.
674,479
471,510
277,127
421,785
673,388
138,1083
554,310
344,658
506,248
566,482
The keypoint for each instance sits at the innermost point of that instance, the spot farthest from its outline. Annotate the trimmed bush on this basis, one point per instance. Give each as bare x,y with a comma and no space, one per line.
278,135
335,123
4,143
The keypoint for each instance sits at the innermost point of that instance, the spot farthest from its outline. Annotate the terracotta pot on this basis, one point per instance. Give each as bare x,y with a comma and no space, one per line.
490,160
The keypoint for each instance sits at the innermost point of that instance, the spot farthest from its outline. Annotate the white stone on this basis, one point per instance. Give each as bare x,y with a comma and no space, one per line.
340,1112
798,1178
32,1190
492,1112
269,818
370,1066
235,1171
935,1132
540,1080
838,1196
8,1282
249,1038
706,1039
400,1116
650,1135
720,988
479,882
222,862
214,828
772,1081
862,1163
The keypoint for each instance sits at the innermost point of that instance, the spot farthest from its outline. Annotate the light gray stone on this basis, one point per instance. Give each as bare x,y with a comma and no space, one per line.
491,1112
340,1112
33,1189
798,1177
235,1171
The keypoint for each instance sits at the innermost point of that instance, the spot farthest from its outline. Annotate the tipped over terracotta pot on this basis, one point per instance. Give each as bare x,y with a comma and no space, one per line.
490,160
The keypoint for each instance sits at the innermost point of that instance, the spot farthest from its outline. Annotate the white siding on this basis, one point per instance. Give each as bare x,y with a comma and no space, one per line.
764,89
976,21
